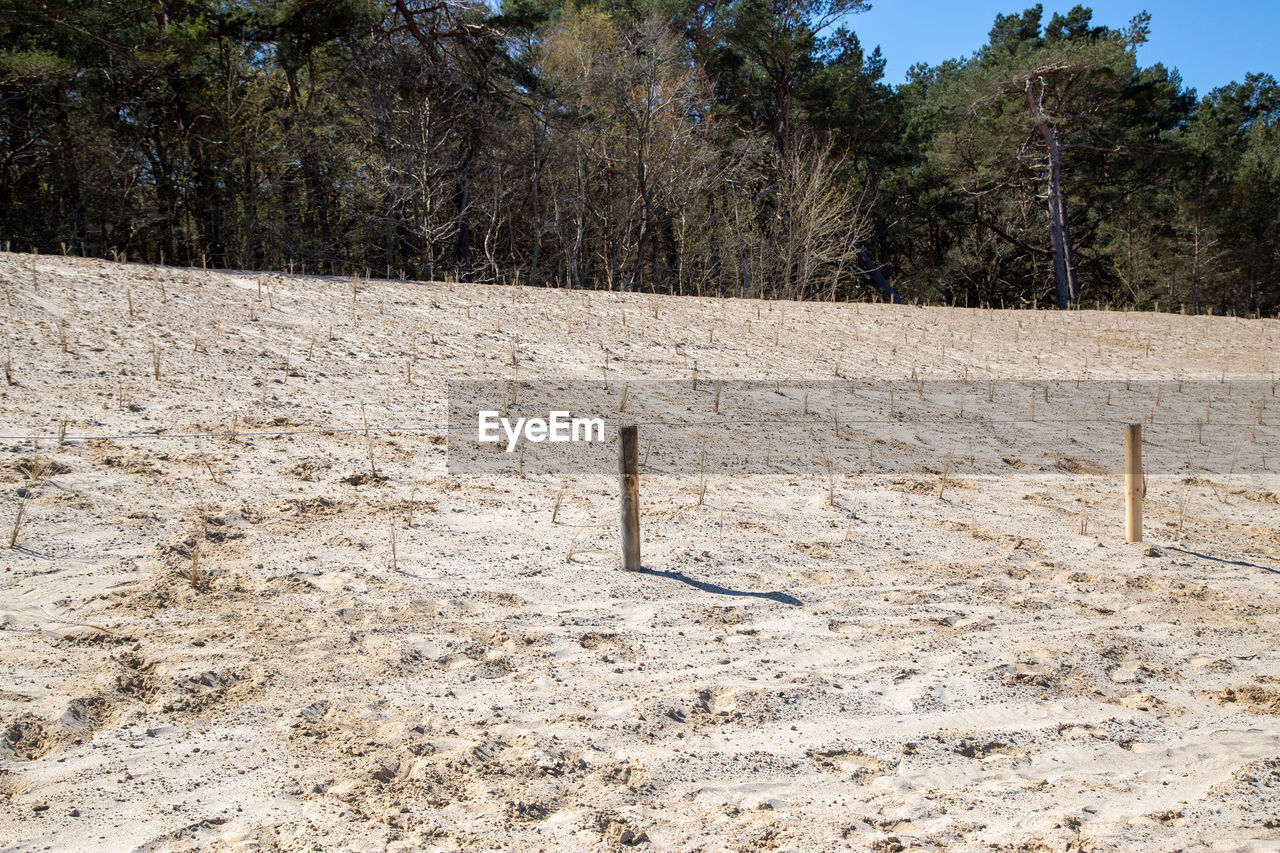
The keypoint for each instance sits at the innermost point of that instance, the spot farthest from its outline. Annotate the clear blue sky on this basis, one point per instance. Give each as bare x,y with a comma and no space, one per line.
1210,43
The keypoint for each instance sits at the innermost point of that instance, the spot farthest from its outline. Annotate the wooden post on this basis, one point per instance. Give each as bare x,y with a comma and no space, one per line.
629,477
1134,488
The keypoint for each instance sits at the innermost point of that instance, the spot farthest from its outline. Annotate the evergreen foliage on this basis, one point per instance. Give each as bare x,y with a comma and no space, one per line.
748,147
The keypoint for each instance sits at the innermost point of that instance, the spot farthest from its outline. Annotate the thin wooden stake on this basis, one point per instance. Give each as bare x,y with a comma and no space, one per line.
1134,487
628,470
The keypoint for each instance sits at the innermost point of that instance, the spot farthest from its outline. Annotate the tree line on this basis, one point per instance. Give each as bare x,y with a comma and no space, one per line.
740,147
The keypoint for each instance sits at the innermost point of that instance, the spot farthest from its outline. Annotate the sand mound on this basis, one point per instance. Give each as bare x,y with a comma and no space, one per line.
209,643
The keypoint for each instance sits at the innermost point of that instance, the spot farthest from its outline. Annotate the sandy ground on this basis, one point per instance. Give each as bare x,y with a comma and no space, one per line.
206,642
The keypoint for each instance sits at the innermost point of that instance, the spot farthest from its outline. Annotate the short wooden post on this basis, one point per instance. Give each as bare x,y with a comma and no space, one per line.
629,476
1134,488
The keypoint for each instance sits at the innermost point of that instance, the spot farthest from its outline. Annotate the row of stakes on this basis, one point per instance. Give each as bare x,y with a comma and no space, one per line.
629,476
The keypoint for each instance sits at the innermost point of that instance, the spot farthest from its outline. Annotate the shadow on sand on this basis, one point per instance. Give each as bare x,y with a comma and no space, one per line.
716,589
1244,563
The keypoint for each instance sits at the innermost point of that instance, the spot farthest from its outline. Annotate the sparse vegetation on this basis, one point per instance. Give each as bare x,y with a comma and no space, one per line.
758,609
195,577
20,517
560,496
368,438
395,559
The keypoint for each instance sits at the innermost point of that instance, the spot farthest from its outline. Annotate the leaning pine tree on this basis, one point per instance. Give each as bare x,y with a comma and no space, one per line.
1022,109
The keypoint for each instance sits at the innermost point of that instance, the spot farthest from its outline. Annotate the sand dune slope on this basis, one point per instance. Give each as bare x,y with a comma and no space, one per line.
206,642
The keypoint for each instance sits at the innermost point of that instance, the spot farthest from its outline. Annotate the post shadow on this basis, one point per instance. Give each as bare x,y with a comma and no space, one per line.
717,589
1243,563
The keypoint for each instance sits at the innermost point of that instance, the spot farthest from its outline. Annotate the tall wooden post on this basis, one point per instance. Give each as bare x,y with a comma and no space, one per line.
629,477
1134,489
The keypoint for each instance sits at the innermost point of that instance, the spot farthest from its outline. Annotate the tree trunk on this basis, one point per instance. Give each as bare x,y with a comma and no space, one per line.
1057,212
535,180
462,203
742,244
671,252
713,229
579,219
208,213
316,190
1195,266
1068,252
70,170
642,243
